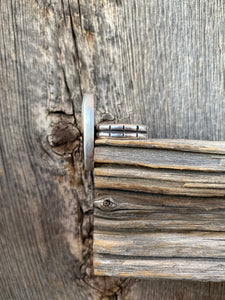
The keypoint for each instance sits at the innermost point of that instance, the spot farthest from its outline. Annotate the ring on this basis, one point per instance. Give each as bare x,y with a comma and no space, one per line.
123,131
116,131
122,127
121,134
88,131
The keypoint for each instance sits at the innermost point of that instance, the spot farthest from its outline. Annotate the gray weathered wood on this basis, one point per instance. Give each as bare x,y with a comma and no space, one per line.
155,245
199,146
137,212
163,159
189,168
154,62
163,181
159,268
175,214
46,199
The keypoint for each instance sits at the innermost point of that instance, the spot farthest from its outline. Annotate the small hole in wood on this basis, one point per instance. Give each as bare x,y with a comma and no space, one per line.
106,202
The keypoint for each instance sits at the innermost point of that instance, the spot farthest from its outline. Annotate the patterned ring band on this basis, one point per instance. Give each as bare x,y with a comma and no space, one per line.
121,135
122,127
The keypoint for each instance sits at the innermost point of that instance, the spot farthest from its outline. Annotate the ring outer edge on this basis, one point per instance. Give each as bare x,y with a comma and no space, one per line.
88,131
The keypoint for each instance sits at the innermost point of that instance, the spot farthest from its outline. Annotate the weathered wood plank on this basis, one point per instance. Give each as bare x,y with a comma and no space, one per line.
189,171
199,269
161,187
158,158
185,177
134,212
176,209
217,147
150,245
174,182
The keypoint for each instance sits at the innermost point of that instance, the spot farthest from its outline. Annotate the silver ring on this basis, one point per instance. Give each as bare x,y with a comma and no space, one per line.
88,131
122,135
122,127
121,131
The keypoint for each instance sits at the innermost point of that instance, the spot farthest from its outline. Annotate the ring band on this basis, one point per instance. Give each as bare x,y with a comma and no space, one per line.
122,127
121,134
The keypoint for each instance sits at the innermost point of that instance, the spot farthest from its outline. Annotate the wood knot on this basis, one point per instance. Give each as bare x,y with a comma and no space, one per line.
64,137
105,203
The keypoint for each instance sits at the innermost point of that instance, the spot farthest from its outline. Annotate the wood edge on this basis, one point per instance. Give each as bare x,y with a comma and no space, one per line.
202,146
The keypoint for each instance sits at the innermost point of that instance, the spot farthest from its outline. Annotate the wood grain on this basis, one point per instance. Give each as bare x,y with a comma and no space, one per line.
160,268
155,245
175,212
46,199
159,63
138,212
198,146
163,159
193,170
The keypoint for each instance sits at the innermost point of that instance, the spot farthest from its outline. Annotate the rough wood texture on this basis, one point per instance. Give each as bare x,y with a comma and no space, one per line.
163,245
197,146
186,169
147,212
161,181
158,268
172,226
154,62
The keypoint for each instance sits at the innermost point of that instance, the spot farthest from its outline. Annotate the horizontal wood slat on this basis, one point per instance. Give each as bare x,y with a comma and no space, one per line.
159,209
194,269
161,187
124,211
161,244
217,147
161,158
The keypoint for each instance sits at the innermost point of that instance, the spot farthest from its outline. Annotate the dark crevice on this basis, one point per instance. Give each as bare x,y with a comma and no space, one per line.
64,17
69,93
76,49
119,2
156,195
157,209
79,9
147,258
65,80
75,120
154,230
59,112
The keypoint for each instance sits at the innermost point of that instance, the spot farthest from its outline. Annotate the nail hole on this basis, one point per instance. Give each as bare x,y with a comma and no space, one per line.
106,202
